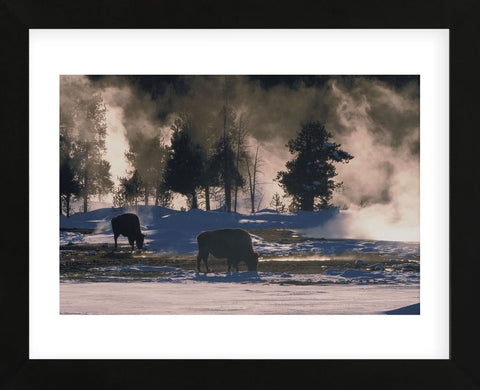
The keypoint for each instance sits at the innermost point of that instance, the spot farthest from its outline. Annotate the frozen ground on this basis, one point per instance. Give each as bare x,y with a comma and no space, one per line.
171,231
236,298
390,287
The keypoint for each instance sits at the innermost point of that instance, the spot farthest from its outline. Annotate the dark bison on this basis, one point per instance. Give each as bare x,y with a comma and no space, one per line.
128,225
234,245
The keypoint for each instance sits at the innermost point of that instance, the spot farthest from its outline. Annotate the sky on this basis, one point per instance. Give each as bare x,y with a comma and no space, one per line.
374,118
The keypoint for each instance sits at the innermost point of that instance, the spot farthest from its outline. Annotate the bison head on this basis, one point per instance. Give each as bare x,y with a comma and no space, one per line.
253,262
140,241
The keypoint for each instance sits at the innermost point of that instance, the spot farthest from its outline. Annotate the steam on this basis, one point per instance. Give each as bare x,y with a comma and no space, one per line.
380,127
116,142
373,119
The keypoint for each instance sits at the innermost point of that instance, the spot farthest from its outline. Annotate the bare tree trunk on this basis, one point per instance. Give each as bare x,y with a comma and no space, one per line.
252,179
85,203
85,179
250,185
307,202
238,160
226,176
85,193
255,173
194,200
68,205
259,202
207,198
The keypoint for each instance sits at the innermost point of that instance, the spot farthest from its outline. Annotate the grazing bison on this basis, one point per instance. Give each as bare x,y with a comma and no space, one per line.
128,225
234,245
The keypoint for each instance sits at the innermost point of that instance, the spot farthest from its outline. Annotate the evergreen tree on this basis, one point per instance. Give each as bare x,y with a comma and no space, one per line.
185,167
69,186
129,191
309,176
210,177
163,196
224,162
84,124
277,203
228,149
148,156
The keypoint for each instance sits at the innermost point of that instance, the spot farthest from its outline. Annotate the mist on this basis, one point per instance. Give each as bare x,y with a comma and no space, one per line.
375,119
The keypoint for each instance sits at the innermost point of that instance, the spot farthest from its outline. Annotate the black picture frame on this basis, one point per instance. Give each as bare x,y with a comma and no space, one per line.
460,371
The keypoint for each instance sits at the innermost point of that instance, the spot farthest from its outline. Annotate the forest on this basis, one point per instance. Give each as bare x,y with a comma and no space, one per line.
218,161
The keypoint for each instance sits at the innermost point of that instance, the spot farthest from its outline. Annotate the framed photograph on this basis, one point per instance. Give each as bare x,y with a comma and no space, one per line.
324,252
366,261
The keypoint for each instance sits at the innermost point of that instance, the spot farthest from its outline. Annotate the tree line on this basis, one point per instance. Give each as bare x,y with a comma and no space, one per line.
199,163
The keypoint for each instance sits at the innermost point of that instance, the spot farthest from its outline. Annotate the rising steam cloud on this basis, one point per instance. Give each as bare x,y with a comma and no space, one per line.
374,120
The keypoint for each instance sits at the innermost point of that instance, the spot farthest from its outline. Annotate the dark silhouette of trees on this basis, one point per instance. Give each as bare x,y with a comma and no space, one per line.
229,150
210,177
227,180
210,174
228,174
185,167
163,196
309,176
241,159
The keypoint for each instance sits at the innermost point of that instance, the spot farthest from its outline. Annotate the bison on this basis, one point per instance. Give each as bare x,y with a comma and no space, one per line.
128,225
234,245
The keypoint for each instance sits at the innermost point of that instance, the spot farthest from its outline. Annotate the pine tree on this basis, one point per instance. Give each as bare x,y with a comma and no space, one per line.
277,203
129,191
148,155
229,149
210,177
163,196
210,174
186,164
309,176
224,160
69,186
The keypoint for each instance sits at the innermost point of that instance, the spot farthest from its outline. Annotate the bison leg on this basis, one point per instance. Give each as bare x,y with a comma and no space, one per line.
131,241
202,255
199,261
115,236
234,262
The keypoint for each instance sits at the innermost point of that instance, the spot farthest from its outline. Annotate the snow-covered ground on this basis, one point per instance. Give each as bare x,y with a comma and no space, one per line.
236,298
392,288
171,231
